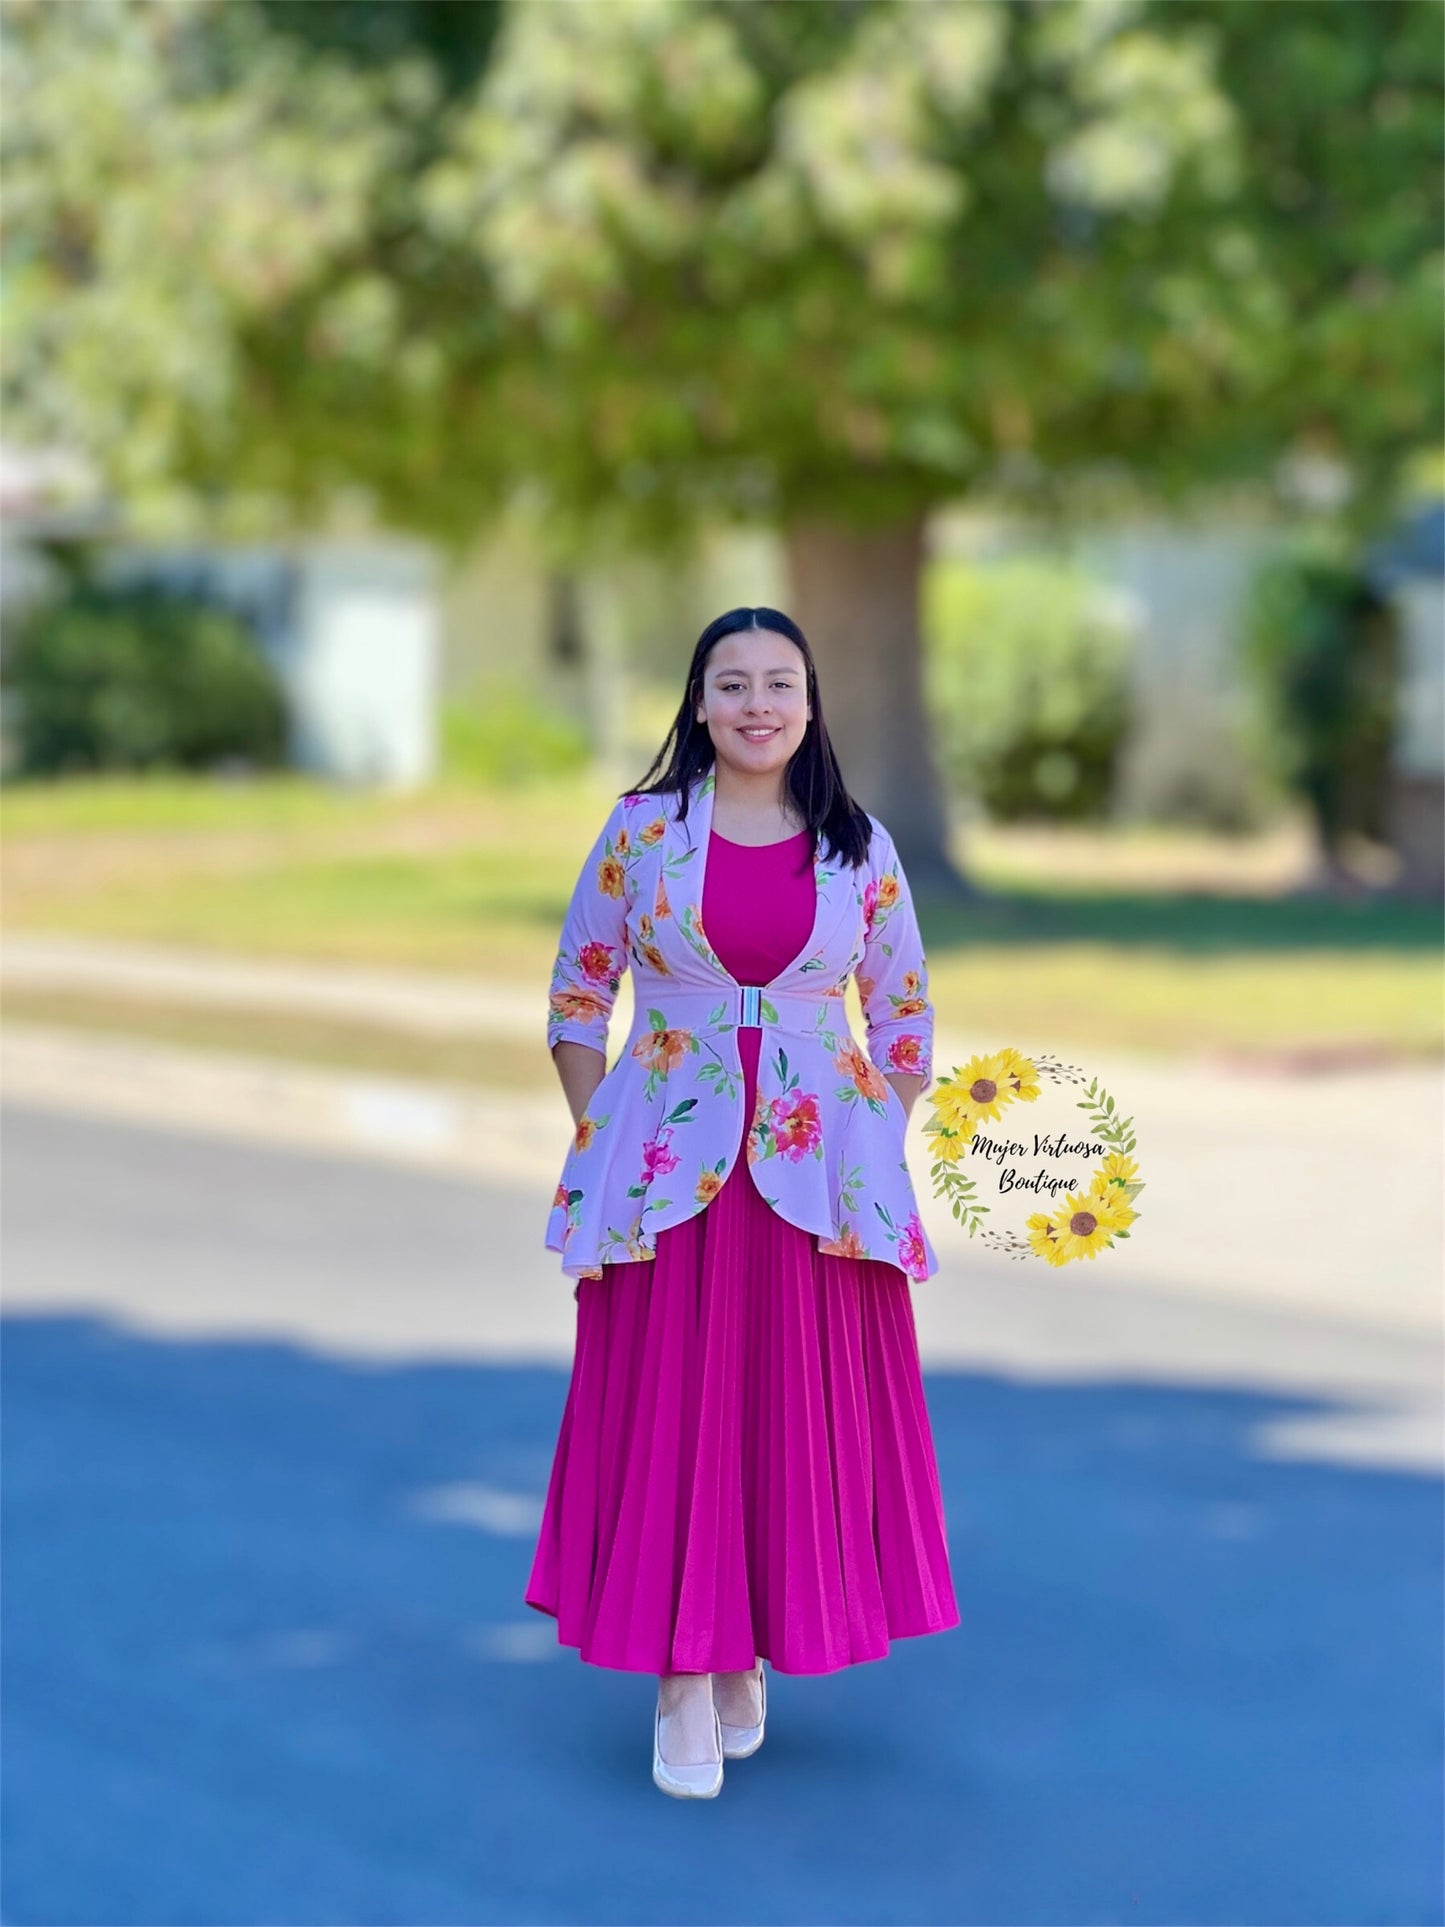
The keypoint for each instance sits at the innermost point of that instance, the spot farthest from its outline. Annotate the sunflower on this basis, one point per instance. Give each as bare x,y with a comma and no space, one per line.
1117,1169
1044,1238
1019,1075
1115,1197
976,1091
1085,1224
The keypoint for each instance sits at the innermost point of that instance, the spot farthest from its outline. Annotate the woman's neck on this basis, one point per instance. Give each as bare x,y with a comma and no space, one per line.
753,809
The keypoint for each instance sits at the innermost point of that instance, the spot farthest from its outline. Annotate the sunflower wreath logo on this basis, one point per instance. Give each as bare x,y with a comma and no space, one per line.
971,1118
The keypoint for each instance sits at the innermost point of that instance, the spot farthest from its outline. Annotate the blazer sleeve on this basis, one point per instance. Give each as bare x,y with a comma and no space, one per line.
893,974
592,954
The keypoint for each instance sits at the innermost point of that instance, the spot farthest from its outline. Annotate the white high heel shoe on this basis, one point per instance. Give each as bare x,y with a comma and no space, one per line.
739,1741
702,1782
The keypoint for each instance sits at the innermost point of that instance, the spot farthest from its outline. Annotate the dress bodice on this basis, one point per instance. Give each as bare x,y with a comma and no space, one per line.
758,904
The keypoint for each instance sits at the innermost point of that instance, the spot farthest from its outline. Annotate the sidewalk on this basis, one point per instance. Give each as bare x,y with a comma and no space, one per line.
1318,1193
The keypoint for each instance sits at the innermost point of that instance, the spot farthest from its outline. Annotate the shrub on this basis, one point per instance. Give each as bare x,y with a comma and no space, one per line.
1320,646
1026,679
108,678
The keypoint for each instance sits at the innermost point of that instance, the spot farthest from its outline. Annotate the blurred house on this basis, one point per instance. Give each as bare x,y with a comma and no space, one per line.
351,626
1185,584
1180,584
372,636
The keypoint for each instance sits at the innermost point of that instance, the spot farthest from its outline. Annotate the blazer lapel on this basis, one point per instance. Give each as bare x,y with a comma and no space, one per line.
684,871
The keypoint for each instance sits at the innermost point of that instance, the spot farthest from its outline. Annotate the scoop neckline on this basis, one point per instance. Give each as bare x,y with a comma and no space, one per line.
781,843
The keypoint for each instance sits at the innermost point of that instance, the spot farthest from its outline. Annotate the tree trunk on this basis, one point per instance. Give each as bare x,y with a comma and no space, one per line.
854,593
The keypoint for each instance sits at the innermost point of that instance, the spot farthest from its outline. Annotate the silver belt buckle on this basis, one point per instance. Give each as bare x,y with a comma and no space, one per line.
751,1018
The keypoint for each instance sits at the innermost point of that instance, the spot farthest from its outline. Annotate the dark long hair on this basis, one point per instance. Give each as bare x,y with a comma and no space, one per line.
812,776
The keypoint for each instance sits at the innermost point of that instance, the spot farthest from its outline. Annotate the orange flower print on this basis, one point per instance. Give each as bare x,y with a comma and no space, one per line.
847,1244
598,962
887,890
866,985
584,1134
582,1006
652,832
623,842
758,1129
864,1073
559,1197
611,877
912,1002
647,950
661,908
663,1050
708,1186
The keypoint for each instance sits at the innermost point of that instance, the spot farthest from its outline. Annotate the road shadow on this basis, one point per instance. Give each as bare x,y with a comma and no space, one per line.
266,1658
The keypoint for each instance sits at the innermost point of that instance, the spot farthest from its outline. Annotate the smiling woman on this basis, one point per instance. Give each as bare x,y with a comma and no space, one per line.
745,1467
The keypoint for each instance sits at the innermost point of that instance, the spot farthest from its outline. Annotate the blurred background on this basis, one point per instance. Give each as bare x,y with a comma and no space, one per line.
393,390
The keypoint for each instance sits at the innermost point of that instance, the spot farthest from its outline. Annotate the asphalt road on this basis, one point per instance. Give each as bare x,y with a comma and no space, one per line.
276,1430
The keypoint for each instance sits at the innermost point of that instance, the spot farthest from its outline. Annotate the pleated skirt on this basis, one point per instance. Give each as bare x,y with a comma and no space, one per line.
745,1465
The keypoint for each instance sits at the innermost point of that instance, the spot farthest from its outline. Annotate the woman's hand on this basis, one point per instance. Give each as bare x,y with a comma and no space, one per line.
581,1070
909,1087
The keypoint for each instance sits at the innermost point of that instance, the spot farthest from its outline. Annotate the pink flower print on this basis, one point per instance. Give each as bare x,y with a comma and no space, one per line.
598,962
911,1254
906,1054
870,903
658,1157
797,1127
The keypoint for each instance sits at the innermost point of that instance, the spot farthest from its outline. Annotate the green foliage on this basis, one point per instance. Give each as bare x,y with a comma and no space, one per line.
1026,683
1321,646
133,679
503,736
672,259
1341,102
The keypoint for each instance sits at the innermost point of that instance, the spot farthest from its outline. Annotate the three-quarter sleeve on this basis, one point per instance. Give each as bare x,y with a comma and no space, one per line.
893,974
592,953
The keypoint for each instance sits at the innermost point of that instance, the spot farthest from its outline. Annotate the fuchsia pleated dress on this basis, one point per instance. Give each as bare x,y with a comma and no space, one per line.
745,1465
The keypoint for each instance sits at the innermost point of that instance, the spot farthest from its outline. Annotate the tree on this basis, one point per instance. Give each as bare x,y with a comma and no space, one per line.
830,264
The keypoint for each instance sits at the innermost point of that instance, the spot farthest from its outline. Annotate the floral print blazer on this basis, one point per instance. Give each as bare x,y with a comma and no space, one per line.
825,1143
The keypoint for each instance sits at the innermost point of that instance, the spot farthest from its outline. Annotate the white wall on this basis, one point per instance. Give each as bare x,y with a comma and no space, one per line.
362,663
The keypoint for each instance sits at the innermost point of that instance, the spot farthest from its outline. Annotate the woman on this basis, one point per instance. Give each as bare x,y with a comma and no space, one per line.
745,1467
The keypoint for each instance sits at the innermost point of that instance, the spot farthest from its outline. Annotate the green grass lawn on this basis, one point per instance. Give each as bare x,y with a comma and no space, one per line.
1152,939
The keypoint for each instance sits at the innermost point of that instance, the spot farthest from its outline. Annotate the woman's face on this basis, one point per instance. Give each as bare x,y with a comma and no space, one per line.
755,700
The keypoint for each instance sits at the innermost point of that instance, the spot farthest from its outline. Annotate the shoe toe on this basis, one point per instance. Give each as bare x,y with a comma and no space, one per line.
697,1779
700,1781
